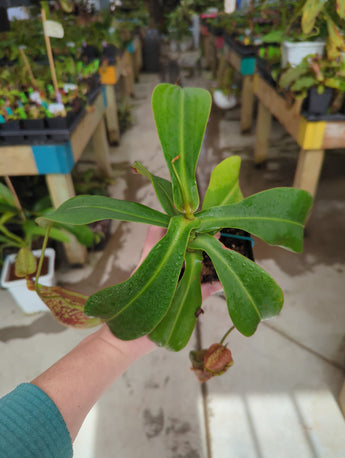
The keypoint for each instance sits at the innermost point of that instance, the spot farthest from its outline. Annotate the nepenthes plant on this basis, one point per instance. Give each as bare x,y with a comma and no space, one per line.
162,296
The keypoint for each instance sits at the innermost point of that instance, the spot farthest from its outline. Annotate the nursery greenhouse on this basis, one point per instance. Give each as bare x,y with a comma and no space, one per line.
172,220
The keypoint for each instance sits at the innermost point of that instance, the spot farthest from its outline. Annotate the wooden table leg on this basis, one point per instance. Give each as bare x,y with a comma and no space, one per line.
308,170
101,149
61,188
247,103
263,128
111,115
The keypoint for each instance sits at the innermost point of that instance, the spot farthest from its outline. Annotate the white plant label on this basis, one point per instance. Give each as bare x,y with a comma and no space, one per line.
53,29
229,6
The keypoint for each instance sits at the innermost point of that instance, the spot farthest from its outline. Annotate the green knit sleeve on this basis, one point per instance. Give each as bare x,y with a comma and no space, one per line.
32,426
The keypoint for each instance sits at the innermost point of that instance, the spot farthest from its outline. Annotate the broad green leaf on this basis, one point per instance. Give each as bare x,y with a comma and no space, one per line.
291,75
134,307
304,82
4,207
66,306
340,6
275,36
82,233
162,187
181,116
277,216
251,294
224,188
311,10
26,263
32,230
6,196
88,209
174,331
335,36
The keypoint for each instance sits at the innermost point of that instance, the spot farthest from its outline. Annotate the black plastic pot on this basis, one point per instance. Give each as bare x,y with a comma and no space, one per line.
234,239
58,128
109,53
265,71
318,104
240,48
89,53
12,132
30,126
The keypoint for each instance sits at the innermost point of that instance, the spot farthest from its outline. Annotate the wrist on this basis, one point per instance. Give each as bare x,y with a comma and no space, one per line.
130,349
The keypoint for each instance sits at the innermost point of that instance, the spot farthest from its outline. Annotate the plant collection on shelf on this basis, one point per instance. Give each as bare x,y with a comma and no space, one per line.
163,296
30,94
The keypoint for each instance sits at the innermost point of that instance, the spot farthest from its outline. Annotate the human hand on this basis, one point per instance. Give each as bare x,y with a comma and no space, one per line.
144,345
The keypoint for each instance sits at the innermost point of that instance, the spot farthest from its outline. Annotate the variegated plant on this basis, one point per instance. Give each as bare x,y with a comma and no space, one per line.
155,300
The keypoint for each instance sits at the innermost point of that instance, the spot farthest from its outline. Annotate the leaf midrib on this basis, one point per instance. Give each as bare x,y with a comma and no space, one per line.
215,252
147,284
265,218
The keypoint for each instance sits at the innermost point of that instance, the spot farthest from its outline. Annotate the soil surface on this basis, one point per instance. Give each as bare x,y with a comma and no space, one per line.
231,239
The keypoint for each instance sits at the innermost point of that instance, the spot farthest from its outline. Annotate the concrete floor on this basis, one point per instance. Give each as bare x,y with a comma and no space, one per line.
279,400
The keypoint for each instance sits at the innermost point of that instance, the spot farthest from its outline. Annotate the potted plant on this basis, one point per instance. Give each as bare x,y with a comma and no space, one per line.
158,299
179,24
316,82
18,234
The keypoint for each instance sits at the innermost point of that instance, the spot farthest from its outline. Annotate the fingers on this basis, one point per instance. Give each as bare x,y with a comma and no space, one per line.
154,234
207,289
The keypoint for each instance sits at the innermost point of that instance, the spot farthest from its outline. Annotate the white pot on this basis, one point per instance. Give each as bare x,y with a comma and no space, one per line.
294,53
27,300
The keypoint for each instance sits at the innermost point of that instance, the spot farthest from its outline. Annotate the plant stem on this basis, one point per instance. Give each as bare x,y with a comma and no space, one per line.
13,191
189,213
226,334
40,263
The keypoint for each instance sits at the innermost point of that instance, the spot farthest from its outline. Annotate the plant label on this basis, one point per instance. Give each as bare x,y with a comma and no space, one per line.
57,109
53,29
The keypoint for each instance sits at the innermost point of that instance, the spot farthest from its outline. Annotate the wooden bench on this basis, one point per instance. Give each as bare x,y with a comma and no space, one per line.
56,162
314,137
246,68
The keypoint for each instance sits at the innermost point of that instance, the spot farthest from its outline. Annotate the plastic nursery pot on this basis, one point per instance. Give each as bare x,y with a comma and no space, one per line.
294,52
234,239
29,127
109,53
59,127
12,133
318,104
27,300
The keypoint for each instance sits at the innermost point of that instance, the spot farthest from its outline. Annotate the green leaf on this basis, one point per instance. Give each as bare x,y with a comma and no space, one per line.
251,293
276,215
224,188
311,10
87,209
305,82
291,75
6,196
181,116
340,7
275,36
26,263
162,187
32,230
174,331
134,307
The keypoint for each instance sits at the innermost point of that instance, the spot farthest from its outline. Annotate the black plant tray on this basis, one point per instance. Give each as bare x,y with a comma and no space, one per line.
333,117
240,48
52,132
264,70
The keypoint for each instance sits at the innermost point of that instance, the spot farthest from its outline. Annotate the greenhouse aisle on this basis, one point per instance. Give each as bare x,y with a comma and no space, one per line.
280,397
